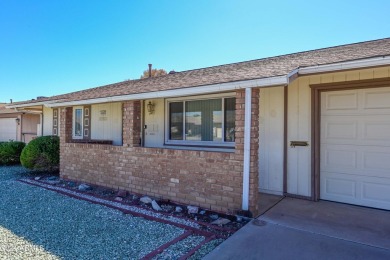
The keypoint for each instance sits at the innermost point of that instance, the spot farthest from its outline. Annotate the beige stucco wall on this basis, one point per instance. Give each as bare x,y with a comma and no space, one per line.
271,140
106,122
299,122
47,121
154,124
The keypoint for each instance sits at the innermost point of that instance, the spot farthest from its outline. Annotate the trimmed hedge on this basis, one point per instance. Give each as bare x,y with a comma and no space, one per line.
10,152
42,153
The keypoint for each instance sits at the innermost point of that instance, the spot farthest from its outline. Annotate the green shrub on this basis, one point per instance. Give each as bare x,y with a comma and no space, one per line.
10,152
42,153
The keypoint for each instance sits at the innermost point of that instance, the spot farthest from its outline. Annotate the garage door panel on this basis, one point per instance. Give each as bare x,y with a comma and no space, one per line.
339,157
8,129
340,101
356,130
378,161
354,159
340,129
377,130
355,147
377,99
374,192
333,187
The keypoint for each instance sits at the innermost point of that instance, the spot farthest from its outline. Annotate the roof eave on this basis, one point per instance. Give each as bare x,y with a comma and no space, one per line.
199,90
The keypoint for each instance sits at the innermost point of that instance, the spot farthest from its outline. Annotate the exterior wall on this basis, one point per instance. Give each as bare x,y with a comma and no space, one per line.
154,131
47,121
109,125
271,141
30,123
212,180
47,115
299,123
9,128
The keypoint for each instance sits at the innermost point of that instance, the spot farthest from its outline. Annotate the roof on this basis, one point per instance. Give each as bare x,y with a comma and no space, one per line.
248,70
4,110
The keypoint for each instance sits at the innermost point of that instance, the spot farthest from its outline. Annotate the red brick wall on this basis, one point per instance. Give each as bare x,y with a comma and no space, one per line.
212,180
131,123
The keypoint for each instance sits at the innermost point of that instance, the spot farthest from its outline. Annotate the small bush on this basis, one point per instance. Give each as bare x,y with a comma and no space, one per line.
42,153
10,152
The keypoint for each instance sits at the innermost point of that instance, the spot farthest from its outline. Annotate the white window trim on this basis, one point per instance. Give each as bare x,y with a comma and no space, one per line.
197,143
82,122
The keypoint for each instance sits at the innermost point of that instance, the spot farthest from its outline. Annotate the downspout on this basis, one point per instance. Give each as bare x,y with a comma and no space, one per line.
247,148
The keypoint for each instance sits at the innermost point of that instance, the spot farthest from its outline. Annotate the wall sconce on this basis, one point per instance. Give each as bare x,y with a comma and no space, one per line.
150,107
17,121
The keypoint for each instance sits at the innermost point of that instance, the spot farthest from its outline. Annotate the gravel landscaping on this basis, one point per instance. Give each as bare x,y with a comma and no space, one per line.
36,223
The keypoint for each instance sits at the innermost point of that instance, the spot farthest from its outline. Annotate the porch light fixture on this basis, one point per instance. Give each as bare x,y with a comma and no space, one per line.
17,121
150,107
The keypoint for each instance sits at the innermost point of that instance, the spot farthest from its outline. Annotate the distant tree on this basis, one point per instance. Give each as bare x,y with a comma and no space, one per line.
155,73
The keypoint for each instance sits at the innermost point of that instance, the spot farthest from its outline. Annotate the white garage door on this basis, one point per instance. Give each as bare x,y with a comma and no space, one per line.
355,147
7,129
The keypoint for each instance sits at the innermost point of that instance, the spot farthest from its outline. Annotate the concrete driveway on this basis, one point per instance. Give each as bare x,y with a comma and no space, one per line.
300,229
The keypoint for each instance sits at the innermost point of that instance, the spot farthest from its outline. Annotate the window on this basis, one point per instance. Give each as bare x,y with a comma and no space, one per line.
203,121
55,121
78,123
82,122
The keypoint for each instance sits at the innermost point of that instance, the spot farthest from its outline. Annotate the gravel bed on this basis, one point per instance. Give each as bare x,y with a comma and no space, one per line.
120,205
67,228
12,246
180,248
13,172
37,223
205,249
71,228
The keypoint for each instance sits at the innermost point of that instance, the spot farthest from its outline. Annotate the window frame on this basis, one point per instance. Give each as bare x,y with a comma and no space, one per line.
74,136
184,142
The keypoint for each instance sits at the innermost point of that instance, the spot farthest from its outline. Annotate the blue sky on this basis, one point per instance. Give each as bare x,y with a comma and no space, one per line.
54,47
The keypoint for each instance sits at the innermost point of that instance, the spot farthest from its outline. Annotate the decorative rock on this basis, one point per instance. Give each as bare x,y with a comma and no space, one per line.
178,209
146,200
52,178
220,221
84,187
155,206
71,184
214,216
122,193
202,212
37,178
238,218
192,209
118,198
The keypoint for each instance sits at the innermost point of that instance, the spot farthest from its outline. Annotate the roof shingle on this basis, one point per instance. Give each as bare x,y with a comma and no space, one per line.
255,69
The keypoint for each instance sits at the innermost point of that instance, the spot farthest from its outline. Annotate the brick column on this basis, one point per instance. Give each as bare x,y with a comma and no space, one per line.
131,113
254,155
66,114
240,122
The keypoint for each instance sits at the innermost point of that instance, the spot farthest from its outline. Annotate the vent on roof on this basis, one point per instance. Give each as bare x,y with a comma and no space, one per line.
172,72
150,70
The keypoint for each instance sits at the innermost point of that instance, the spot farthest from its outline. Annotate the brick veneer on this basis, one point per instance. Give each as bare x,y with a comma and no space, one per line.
212,180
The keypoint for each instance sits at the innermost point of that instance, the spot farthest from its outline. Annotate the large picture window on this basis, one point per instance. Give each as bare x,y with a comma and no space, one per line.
203,121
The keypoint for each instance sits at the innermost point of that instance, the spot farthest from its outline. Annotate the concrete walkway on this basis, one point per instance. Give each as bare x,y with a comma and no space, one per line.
300,229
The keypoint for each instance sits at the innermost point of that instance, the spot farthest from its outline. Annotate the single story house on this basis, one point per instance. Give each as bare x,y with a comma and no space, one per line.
313,124
19,125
